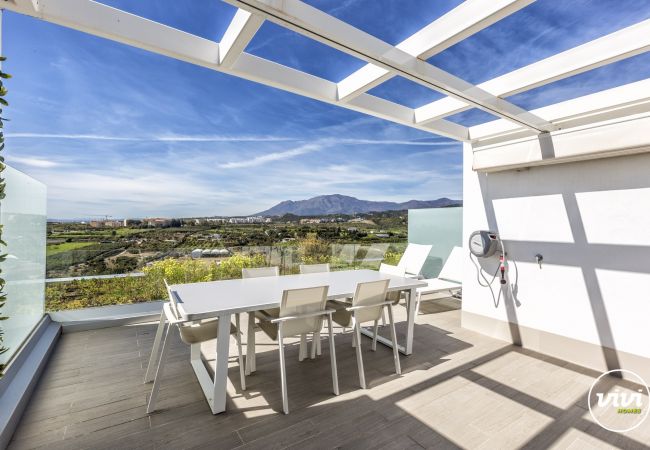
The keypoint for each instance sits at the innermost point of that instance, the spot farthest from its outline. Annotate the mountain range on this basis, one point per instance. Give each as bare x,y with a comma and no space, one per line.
343,204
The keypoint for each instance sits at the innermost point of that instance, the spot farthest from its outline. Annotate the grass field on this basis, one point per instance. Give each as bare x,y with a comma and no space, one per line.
53,249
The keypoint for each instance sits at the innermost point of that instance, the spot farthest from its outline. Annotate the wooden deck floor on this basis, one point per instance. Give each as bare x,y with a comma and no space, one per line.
458,389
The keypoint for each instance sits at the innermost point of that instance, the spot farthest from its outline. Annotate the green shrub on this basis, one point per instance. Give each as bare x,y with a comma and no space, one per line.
313,250
115,291
392,257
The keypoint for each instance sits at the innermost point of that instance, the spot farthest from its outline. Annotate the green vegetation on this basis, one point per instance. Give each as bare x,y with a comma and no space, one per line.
79,249
53,249
3,256
116,291
135,289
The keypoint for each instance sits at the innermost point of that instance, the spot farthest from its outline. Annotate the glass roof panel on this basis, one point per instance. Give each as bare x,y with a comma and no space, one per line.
540,30
291,49
378,17
207,19
405,92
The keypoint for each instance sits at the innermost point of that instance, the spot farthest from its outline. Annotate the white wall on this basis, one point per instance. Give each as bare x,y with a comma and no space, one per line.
591,222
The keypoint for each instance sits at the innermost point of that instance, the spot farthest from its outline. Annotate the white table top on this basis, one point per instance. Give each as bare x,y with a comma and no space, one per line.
212,298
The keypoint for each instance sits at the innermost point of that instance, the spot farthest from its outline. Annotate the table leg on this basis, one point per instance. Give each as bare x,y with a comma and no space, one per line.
153,359
250,344
410,320
221,370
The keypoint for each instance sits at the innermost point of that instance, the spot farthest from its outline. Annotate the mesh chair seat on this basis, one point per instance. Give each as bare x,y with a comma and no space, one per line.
204,331
342,316
270,329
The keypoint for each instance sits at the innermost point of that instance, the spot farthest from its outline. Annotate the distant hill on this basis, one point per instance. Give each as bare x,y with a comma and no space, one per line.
343,204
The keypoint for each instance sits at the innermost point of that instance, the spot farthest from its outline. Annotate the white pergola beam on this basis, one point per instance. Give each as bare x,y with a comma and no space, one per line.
621,101
240,32
331,31
605,50
276,75
468,18
110,23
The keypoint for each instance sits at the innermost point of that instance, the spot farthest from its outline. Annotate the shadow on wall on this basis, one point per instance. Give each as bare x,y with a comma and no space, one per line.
591,216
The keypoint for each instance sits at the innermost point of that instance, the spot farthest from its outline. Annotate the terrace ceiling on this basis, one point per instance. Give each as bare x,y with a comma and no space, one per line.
383,61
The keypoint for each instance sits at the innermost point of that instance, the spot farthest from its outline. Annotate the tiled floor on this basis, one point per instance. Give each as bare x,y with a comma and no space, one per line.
458,389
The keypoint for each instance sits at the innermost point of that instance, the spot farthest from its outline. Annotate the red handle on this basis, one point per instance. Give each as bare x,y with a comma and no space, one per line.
502,269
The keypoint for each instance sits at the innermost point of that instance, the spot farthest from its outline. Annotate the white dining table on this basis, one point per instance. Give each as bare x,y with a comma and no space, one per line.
197,301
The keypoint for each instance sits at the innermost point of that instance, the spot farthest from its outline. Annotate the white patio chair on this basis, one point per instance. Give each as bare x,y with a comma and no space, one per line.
191,333
392,270
394,296
314,268
367,305
414,258
301,312
375,254
255,272
448,281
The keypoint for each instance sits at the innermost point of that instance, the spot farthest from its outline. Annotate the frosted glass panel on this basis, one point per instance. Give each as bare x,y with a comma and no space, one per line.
440,227
23,216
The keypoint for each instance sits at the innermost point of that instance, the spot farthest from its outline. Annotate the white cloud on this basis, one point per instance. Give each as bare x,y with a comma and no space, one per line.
154,138
270,157
33,162
223,138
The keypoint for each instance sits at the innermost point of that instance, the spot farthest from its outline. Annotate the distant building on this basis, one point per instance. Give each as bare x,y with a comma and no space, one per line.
252,219
105,223
209,253
157,222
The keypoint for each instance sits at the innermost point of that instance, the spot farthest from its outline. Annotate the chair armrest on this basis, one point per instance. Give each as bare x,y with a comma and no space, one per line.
375,305
303,316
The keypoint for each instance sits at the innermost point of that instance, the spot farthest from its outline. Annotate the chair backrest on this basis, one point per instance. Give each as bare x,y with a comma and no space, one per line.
414,258
392,270
370,293
296,302
173,301
314,268
453,268
375,253
347,253
257,272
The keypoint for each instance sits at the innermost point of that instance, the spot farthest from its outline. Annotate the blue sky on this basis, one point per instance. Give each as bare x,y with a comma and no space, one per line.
116,130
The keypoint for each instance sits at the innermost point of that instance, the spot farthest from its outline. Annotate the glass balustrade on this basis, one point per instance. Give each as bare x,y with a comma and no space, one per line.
23,218
440,227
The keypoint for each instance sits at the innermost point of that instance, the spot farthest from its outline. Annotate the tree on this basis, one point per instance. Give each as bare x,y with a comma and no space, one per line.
3,256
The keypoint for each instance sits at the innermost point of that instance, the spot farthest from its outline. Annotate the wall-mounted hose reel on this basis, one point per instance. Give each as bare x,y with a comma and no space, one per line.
485,244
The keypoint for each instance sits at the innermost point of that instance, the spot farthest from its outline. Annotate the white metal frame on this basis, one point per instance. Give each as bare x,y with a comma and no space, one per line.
407,59
283,370
358,330
214,395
